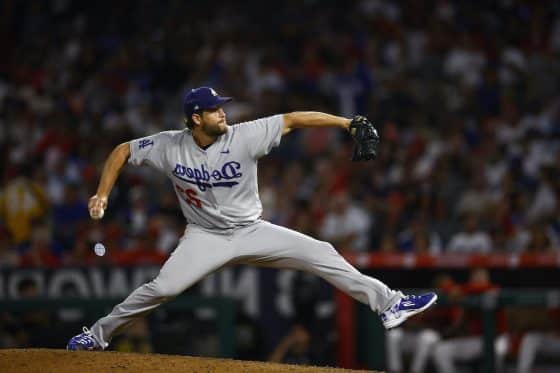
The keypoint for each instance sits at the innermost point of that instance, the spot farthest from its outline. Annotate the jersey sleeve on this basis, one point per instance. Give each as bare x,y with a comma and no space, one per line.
150,150
261,135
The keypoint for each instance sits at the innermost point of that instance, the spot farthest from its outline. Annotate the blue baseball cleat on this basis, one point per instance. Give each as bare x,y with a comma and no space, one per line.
406,307
83,341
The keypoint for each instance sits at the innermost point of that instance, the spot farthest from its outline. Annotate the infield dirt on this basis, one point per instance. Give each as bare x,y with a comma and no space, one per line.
61,361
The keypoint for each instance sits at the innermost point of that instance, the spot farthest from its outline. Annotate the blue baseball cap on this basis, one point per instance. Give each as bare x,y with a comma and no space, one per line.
202,98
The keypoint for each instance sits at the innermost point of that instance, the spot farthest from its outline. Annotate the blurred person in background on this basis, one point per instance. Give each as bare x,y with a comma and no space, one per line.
69,216
544,201
302,218
540,241
81,254
388,243
346,225
471,239
168,232
143,249
416,238
463,342
294,348
475,200
9,257
22,202
40,253
440,221
139,211
542,343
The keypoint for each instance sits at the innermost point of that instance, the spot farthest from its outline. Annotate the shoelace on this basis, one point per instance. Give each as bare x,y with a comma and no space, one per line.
87,338
405,298
395,307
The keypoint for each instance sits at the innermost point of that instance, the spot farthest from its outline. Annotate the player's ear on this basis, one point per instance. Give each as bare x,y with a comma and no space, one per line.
196,118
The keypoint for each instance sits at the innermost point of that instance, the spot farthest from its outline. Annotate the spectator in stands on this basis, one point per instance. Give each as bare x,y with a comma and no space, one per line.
387,243
41,252
475,200
471,239
539,240
416,238
143,250
465,61
82,254
69,216
139,212
346,224
8,255
22,202
544,201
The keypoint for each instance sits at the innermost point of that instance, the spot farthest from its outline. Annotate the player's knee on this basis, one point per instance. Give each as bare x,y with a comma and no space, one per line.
327,246
163,290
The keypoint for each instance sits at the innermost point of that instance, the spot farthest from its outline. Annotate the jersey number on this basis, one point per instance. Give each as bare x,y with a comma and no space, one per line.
189,195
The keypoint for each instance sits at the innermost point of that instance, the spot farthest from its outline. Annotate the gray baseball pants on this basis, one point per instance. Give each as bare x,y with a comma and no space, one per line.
201,251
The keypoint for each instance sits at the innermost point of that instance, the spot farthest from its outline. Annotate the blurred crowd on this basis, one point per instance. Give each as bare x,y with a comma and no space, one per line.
465,95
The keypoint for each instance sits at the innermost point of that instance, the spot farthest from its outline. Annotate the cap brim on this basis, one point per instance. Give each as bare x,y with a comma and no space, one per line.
219,102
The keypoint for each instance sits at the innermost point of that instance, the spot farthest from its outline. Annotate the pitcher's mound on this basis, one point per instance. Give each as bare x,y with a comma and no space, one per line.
61,361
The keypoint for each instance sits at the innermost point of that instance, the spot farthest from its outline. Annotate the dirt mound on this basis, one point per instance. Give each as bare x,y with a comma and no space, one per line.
61,361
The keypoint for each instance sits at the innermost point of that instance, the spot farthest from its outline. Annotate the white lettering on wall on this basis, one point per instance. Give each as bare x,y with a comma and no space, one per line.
283,301
72,277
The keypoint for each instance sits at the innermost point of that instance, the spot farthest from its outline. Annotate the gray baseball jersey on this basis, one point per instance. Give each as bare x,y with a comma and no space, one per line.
218,192
216,187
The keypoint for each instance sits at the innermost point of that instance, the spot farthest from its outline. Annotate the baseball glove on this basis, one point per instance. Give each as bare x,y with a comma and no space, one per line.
365,137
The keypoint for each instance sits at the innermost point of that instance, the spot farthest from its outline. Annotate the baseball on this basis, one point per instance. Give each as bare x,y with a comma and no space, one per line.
100,214
99,249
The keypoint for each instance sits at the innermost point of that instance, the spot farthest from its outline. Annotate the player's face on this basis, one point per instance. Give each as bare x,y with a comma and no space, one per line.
213,122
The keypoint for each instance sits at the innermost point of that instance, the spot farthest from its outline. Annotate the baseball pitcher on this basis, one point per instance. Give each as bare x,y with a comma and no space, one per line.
213,168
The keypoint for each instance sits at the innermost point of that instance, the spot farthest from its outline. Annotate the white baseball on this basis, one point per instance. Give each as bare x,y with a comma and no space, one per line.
99,249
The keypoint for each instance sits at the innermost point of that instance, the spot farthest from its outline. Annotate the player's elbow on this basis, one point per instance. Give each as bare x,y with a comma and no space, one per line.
291,121
123,150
